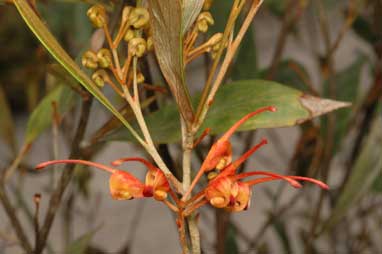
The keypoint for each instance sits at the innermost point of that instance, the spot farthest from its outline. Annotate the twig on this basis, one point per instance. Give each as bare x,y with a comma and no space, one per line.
276,215
206,103
328,152
10,211
36,200
66,176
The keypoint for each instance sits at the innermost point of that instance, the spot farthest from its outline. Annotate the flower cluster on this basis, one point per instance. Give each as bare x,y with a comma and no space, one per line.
226,188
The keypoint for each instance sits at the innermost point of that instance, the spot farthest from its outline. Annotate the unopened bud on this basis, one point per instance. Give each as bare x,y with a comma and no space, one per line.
215,39
140,78
139,17
100,77
137,47
204,20
97,15
126,13
90,60
104,58
150,44
130,34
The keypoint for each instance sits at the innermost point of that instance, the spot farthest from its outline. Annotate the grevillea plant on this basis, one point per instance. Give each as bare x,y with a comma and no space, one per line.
173,31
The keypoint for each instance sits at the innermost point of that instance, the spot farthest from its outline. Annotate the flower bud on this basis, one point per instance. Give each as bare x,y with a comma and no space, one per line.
137,47
215,40
129,35
126,13
100,77
140,78
90,60
104,58
204,20
150,43
97,15
139,17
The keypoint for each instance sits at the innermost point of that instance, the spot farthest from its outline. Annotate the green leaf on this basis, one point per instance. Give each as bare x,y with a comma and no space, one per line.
80,245
50,43
7,125
237,99
366,169
166,23
347,85
41,117
191,10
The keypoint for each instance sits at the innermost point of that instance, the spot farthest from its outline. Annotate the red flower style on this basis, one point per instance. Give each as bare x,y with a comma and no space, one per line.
123,185
226,189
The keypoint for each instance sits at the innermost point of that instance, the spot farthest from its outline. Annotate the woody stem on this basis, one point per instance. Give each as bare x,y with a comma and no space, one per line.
188,144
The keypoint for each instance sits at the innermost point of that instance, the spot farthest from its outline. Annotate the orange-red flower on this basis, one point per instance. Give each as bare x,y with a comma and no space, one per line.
220,154
156,184
124,186
225,193
226,188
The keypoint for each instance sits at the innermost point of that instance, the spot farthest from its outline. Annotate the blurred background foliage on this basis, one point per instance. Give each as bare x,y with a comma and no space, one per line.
344,149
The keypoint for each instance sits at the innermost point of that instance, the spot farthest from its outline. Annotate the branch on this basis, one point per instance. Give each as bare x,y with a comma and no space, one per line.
66,176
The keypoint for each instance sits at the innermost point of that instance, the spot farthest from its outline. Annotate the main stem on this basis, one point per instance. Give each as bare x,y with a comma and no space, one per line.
188,144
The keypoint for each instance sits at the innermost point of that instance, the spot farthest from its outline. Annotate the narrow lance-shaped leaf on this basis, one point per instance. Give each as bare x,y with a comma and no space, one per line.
191,10
237,99
55,49
366,169
166,22
7,125
41,117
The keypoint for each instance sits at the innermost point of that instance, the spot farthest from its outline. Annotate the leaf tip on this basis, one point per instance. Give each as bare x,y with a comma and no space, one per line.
319,106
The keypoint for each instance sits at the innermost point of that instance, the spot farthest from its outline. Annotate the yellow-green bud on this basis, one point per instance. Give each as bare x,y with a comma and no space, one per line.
204,20
137,47
100,77
97,15
104,58
130,34
90,60
140,78
150,44
139,17
126,13
215,41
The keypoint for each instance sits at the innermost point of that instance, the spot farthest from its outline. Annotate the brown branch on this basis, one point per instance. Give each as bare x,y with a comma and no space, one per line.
10,211
57,195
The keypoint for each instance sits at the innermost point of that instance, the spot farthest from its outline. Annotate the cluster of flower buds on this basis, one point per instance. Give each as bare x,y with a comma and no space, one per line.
136,30
94,60
202,24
